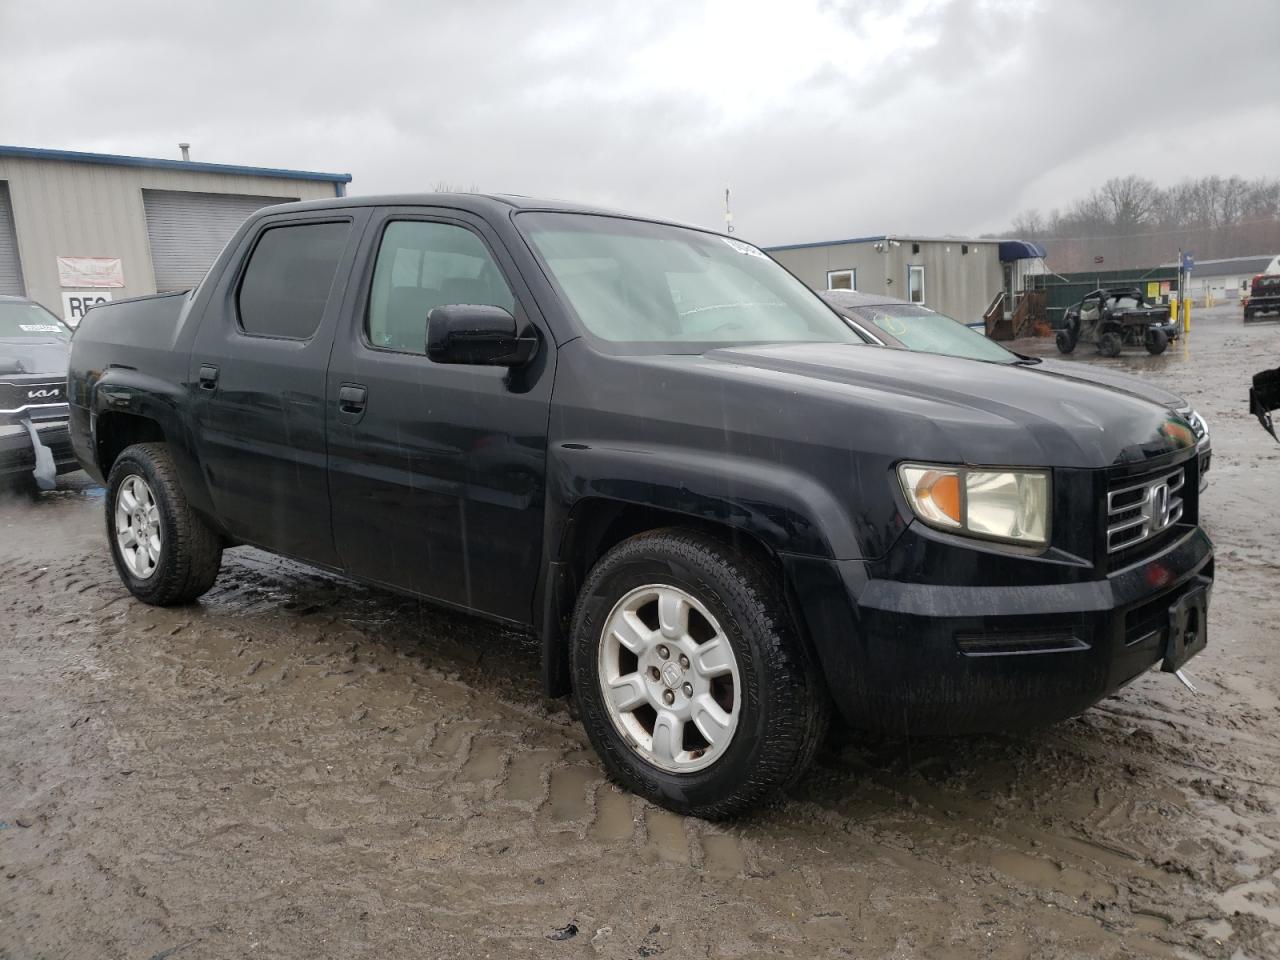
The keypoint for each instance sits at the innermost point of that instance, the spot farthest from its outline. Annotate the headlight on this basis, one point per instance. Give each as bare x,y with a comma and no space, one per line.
1008,505
1199,426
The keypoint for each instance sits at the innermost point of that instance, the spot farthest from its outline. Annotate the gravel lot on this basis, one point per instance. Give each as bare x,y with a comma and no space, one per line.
300,767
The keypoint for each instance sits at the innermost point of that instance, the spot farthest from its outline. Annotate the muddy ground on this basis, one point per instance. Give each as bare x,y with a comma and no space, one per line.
298,767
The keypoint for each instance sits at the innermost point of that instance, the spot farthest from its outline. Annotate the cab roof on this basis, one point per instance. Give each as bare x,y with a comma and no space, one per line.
492,204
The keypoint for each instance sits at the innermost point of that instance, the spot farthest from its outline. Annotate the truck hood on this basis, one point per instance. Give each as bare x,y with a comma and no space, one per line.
959,410
1116,380
29,355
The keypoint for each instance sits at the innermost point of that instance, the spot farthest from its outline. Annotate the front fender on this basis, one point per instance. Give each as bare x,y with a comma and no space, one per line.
785,509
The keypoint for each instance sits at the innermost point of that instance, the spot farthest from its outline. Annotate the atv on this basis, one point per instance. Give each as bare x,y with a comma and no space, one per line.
1116,317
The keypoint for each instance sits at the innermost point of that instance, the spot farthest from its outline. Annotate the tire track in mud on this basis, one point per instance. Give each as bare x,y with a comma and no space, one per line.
302,753
467,763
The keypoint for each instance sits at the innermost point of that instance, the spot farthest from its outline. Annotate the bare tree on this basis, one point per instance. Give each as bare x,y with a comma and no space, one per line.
1130,221
1128,202
1029,224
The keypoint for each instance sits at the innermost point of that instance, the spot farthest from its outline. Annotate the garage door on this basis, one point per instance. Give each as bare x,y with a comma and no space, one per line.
10,268
187,231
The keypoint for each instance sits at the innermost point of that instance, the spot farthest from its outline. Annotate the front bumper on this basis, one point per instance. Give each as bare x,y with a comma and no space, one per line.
18,454
918,658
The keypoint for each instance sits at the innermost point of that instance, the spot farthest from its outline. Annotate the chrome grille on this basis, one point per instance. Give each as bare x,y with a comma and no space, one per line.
1140,509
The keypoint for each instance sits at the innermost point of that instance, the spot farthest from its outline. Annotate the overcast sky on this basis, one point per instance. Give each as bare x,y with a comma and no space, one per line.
827,119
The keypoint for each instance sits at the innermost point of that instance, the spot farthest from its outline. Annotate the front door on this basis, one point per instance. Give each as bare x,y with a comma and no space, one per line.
257,382
437,471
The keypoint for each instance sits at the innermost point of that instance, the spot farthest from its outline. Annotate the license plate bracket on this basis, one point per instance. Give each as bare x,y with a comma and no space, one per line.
1188,632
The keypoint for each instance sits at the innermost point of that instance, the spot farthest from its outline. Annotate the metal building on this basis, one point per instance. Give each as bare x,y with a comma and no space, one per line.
1227,279
953,275
78,228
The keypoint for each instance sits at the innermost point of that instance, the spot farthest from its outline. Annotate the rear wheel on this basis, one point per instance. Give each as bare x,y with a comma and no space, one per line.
1109,344
163,550
691,681
1156,342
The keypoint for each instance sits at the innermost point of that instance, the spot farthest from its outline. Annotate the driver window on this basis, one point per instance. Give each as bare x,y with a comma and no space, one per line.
424,265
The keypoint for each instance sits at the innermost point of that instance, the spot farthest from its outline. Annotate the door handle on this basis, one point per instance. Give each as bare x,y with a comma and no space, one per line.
351,401
208,376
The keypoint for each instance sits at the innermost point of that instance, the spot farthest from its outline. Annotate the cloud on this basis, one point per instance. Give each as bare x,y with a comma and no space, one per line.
827,119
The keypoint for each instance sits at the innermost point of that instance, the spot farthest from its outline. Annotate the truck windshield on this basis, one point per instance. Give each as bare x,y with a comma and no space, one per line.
919,328
671,289
30,321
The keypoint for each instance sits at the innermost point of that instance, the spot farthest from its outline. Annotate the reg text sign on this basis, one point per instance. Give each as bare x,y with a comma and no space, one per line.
75,305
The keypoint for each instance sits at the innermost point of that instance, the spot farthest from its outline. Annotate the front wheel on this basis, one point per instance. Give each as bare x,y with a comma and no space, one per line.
1066,342
163,550
691,680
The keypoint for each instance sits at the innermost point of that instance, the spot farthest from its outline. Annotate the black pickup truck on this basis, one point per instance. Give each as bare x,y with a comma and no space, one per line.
722,513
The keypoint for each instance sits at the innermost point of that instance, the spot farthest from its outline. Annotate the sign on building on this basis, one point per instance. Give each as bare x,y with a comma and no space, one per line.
76,305
94,272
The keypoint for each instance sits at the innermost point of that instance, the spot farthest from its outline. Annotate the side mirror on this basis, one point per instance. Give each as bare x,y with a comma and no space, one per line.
478,334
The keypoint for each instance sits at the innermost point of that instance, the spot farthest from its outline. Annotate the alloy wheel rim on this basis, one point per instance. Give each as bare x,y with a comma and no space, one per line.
138,527
669,678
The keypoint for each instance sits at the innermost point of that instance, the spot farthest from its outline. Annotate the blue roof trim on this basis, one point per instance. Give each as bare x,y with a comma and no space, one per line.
112,159
821,243
1020,250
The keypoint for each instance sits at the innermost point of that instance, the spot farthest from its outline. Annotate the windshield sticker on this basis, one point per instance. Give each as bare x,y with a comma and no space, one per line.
744,248
890,324
39,328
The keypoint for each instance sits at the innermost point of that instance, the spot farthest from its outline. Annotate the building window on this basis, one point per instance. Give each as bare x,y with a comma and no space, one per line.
842,279
915,284
964,248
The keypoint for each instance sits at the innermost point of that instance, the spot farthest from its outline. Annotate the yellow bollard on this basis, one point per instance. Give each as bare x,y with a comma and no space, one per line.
1173,309
1186,317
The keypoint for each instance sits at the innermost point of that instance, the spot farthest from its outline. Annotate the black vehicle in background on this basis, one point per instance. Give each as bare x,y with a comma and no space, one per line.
723,513
1264,296
1264,397
1116,317
34,444
899,324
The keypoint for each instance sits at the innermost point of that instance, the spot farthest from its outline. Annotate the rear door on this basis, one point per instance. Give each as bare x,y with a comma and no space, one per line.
437,470
257,380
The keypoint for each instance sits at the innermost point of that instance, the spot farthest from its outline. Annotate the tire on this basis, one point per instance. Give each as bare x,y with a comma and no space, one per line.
1110,344
1156,342
773,694
186,562
1248,315
1066,342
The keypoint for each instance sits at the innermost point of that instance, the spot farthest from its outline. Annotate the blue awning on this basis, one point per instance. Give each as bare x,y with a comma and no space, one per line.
1020,250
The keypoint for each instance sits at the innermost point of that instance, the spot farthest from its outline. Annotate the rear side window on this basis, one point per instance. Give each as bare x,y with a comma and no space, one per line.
423,265
288,279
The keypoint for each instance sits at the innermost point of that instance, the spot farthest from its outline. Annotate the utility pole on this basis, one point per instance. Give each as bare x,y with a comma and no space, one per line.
728,214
